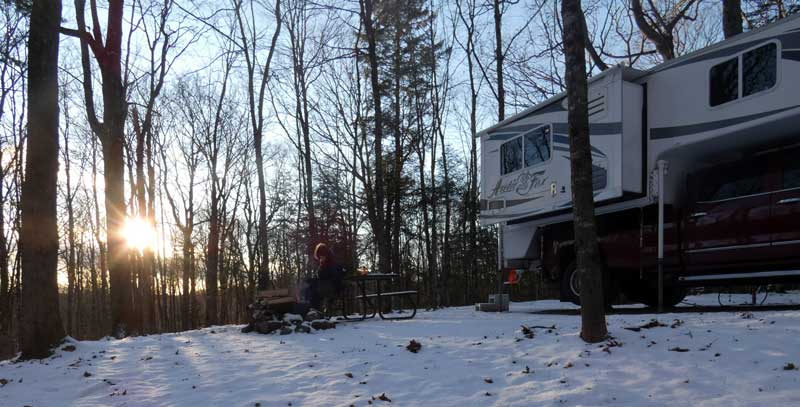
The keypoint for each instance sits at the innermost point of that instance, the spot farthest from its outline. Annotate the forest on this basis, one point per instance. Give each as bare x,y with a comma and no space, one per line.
205,147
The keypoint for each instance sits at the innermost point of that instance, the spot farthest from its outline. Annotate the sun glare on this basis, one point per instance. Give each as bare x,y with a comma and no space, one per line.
139,234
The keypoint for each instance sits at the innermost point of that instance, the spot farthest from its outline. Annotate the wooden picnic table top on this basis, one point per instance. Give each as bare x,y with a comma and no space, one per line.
372,277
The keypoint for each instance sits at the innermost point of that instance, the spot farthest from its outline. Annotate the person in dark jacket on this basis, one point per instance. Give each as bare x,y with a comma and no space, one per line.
329,277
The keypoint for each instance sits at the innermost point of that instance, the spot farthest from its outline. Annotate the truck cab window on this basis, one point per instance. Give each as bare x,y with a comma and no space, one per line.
791,174
727,183
537,146
511,156
759,69
724,82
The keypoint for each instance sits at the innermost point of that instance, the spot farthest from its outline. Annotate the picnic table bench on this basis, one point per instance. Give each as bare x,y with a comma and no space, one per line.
375,300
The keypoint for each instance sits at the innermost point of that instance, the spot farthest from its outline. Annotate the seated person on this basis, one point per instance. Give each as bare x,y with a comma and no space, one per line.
329,278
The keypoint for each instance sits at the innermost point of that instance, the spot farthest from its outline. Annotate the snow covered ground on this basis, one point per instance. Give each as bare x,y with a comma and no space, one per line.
468,358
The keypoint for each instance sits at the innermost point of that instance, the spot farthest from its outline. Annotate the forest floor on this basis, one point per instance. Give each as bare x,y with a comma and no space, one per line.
719,357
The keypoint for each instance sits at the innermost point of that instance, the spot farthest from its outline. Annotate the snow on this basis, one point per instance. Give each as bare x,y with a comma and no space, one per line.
732,357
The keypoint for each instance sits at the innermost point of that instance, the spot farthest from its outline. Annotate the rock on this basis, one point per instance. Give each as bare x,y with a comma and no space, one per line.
266,327
314,315
286,330
293,318
303,328
322,324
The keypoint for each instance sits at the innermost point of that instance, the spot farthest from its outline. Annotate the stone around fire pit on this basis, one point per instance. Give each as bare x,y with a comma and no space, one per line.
267,327
314,315
322,324
293,319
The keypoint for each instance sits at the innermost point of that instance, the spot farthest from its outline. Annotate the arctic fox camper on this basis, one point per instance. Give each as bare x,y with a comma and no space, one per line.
696,159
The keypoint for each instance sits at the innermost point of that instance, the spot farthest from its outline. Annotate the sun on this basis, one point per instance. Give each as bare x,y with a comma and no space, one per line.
139,234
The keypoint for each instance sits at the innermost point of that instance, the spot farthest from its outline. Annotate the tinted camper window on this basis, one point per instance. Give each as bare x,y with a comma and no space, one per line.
724,82
537,146
511,156
759,69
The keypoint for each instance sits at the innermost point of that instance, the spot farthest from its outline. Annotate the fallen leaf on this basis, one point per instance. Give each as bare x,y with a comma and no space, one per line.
383,397
488,380
678,349
87,374
348,374
528,332
414,346
69,348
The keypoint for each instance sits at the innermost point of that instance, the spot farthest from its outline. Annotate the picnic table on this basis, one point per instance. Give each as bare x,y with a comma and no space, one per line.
375,299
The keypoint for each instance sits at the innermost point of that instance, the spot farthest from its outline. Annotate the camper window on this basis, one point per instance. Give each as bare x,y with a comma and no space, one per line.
724,82
759,69
511,153
759,72
537,146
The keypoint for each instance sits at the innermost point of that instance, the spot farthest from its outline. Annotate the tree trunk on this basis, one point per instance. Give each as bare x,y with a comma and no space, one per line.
593,322
70,240
731,17
41,326
212,252
101,247
499,57
5,287
377,220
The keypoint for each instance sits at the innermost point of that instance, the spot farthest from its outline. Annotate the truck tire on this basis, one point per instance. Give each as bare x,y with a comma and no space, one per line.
571,285
673,295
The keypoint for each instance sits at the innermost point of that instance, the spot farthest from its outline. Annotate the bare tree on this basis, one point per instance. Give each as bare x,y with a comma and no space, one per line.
658,26
587,252
375,197
257,77
41,328
111,132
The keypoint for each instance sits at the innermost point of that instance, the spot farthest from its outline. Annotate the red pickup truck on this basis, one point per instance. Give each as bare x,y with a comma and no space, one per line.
740,224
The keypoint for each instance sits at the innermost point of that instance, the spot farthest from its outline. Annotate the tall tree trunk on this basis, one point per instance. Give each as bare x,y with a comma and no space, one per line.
41,326
101,246
5,287
499,57
70,239
376,220
731,17
587,253
471,205
144,303
212,252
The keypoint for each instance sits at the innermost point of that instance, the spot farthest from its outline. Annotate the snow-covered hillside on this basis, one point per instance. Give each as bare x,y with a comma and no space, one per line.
728,358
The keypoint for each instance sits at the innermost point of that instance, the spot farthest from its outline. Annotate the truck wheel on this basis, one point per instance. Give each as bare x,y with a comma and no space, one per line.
672,296
571,286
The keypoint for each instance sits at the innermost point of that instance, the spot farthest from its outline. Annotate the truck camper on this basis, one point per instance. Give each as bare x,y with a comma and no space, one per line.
696,172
